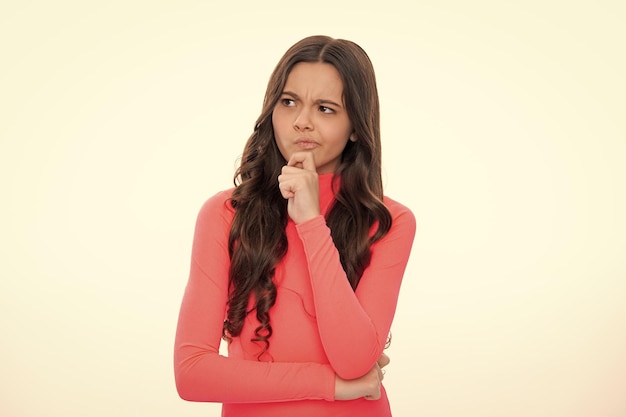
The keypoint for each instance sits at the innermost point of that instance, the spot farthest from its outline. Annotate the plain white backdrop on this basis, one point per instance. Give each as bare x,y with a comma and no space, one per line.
503,129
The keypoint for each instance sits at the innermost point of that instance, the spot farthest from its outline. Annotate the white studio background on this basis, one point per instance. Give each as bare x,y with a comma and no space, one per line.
503,130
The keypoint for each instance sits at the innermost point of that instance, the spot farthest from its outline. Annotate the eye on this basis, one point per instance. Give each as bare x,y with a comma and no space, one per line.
326,110
287,102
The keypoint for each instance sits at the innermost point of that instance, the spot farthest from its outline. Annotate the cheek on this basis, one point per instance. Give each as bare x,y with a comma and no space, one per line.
343,132
274,121
280,122
278,137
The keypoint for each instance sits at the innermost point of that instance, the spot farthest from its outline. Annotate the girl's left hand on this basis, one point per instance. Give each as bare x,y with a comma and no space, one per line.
383,361
298,183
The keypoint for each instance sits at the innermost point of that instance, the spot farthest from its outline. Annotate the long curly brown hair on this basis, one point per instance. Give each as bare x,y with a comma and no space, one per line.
258,240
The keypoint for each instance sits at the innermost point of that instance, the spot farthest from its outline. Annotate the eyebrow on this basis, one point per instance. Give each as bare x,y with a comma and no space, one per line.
320,101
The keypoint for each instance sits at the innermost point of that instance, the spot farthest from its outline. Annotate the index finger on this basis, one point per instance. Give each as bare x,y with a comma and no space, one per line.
305,159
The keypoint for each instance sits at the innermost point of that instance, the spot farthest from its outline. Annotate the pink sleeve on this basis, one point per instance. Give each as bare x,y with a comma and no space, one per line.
354,326
201,373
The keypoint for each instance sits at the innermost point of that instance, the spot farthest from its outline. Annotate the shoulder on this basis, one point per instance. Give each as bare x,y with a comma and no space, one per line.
217,208
219,201
213,223
397,209
401,216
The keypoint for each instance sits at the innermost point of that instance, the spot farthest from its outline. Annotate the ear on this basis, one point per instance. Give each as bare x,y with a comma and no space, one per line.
352,136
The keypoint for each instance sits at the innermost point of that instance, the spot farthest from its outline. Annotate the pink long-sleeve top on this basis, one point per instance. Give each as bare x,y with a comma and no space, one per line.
321,327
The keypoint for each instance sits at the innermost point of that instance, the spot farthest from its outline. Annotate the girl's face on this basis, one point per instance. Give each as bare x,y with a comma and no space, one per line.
310,115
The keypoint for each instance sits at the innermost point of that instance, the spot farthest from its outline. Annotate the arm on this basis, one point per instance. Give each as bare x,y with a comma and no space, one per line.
354,325
201,373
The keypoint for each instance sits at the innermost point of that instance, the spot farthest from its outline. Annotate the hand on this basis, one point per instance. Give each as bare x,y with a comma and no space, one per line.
298,183
383,361
367,386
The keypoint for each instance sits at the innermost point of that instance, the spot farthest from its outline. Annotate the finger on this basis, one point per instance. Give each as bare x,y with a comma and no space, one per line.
381,373
286,188
306,160
374,396
287,170
383,360
287,193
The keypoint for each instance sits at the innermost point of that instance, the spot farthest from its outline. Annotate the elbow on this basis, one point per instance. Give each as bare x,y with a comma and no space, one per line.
184,395
195,386
194,377
190,390
190,385
182,379
349,373
354,369
356,365
185,388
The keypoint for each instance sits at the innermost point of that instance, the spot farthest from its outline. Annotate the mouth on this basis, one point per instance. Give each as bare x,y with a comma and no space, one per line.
307,143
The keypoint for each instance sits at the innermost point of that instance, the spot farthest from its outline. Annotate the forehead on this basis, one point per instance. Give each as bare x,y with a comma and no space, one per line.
316,79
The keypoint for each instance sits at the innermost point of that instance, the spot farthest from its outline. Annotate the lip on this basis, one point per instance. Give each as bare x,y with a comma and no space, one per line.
306,143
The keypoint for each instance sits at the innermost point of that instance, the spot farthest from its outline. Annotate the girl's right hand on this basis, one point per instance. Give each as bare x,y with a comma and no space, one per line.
299,185
367,386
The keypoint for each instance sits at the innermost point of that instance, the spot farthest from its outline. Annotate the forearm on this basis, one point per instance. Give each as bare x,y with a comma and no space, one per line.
349,337
204,375
210,377
353,325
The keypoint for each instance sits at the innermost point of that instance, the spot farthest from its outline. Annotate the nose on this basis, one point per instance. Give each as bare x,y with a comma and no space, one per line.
303,120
